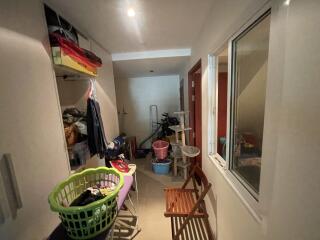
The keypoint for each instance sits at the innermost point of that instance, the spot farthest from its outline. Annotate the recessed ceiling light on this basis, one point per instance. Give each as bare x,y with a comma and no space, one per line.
131,12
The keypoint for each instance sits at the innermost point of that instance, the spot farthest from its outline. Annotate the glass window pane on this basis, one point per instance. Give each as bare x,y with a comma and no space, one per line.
249,75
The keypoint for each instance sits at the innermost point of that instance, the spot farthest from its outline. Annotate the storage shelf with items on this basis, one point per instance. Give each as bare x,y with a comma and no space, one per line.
64,65
68,56
75,69
75,129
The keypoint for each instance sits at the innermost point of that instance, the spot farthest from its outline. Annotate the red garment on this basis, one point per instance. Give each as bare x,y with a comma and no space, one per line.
79,54
120,165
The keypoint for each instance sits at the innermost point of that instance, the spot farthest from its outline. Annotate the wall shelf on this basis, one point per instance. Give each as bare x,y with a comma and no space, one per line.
64,65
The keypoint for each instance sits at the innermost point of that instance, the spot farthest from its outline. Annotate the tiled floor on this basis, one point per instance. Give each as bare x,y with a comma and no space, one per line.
151,202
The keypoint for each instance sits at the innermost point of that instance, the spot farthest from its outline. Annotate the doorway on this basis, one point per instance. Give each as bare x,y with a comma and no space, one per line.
194,85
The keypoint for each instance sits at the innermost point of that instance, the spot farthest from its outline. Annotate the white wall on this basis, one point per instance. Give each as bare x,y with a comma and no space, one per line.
229,217
289,197
137,94
294,211
30,124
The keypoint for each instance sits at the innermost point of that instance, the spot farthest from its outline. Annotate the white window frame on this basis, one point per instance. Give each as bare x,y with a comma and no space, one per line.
213,98
250,200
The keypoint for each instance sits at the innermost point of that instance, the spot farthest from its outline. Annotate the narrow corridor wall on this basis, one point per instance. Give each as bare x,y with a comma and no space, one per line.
229,216
30,123
135,95
288,206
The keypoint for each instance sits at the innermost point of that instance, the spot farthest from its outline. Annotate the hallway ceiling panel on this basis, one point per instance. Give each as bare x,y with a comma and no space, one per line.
141,68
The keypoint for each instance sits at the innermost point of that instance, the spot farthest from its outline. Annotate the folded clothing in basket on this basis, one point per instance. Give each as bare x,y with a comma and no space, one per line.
92,194
86,198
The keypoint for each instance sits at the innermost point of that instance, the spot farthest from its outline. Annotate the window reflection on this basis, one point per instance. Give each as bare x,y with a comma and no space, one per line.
250,58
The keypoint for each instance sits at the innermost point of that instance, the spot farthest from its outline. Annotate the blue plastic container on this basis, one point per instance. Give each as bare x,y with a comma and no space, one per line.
161,167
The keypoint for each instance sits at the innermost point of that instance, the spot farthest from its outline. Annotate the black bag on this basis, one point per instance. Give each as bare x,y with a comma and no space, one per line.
57,24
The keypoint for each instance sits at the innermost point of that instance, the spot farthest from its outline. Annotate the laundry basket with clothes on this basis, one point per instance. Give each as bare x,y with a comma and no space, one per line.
87,201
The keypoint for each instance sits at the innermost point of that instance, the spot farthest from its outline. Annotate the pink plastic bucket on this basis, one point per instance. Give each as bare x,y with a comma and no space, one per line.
160,149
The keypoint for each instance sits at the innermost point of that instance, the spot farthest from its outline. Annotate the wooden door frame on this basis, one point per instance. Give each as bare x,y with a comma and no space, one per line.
181,90
191,78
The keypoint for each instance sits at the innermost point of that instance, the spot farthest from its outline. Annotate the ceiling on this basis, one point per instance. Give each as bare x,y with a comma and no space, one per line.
142,67
158,25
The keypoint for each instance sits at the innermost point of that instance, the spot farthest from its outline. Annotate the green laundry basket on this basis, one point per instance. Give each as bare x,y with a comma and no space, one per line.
87,221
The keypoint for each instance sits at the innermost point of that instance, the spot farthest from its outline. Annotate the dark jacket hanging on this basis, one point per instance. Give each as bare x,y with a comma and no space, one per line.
96,136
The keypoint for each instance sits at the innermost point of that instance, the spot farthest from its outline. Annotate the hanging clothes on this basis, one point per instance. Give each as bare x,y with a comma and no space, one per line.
115,148
96,136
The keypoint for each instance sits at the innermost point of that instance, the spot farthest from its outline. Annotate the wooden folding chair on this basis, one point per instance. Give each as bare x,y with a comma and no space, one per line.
186,208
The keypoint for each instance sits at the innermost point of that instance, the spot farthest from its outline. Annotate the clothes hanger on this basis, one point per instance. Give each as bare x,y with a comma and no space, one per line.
92,90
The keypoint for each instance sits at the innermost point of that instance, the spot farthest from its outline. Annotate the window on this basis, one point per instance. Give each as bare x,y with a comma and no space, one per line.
221,102
249,58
